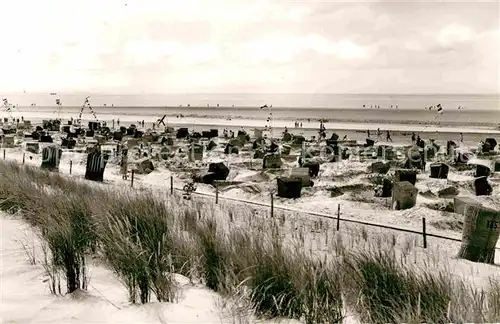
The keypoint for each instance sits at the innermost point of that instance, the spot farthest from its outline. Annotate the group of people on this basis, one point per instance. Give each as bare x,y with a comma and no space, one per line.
297,124
378,107
379,134
228,133
14,120
415,138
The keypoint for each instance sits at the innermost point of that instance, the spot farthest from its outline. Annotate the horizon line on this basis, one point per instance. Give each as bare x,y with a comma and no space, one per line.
241,106
250,93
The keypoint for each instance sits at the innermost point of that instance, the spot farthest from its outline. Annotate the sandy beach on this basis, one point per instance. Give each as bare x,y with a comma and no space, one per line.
400,133
249,162
244,167
249,185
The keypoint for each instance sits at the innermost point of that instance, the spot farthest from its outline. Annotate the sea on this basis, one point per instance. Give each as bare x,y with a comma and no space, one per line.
465,110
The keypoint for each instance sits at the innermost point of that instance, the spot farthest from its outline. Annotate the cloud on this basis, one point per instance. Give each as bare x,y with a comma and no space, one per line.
261,45
285,47
454,33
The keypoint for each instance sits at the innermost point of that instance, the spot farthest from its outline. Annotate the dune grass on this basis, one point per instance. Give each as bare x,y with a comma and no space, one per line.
138,243
146,238
391,287
70,234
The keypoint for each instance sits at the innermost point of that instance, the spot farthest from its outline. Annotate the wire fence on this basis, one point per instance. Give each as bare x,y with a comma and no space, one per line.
336,218
273,206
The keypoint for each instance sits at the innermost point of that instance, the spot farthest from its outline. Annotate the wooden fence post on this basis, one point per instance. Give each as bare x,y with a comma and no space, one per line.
24,157
216,191
272,205
132,179
70,166
4,154
171,185
424,233
338,217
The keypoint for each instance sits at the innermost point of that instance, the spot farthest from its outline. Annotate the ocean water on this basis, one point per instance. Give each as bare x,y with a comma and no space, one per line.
480,110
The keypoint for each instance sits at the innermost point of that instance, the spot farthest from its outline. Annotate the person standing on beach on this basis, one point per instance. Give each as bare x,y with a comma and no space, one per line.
368,133
462,137
124,163
388,137
413,137
379,133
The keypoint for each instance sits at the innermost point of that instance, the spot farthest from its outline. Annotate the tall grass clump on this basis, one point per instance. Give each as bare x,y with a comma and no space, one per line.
17,191
472,305
68,228
215,256
286,282
140,245
276,281
382,291
493,304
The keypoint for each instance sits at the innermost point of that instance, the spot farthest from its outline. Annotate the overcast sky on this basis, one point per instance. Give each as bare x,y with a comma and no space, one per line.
231,46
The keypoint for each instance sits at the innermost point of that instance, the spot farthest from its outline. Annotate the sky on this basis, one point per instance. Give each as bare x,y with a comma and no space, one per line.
254,46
